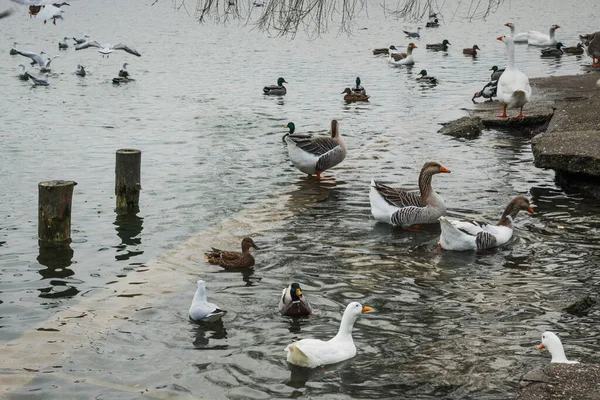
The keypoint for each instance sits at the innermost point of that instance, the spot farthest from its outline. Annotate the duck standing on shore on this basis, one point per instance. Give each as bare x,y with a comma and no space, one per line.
513,86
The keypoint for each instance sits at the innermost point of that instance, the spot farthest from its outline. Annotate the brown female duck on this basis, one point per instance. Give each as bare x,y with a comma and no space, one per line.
349,96
233,259
471,51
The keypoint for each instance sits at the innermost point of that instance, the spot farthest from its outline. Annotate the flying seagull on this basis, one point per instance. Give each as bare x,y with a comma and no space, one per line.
106,49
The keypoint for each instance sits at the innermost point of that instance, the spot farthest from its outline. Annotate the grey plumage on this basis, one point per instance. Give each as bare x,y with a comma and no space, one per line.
485,240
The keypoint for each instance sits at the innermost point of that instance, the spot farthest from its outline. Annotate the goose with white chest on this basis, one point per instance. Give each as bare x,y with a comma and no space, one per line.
513,86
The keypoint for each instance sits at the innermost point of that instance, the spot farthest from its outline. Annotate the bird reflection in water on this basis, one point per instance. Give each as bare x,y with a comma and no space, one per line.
205,331
247,275
300,375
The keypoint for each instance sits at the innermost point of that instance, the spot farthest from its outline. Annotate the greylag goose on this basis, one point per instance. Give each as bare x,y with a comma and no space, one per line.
551,342
276,90
513,90
315,154
397,58
592,42
463,235
201,310
293,302
403,208
311,353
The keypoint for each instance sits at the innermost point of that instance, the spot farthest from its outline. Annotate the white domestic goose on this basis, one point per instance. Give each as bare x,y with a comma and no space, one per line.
520,37
311,353
399,207
513,86
536,38
200,309
463,235
555,347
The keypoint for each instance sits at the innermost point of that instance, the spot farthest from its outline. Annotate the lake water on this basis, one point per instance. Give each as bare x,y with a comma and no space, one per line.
444,325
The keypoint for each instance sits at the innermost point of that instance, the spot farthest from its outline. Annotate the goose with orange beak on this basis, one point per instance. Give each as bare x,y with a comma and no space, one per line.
513,86
551,342
311,353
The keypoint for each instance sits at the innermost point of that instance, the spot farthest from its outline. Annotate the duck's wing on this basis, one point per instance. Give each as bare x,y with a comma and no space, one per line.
399,197
318,145
128,49
90,43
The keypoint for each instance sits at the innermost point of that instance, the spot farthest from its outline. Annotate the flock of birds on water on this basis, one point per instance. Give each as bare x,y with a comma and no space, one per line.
313,155
46,10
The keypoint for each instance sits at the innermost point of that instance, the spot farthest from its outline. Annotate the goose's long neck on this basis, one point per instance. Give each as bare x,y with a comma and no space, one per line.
509,214
200,296
409,51
425,185
552,32
558,354
345,331
510,46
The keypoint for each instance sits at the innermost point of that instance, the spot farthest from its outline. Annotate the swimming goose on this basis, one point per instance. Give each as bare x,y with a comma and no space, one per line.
403,58
402,208
463,235
391,49
426,78
438,46
555,347
521,37
276,90
315,154
107,49
201,310
574,49
413,34
63,45
293,303
553,51
350,97
358,89
536,38
39,81
513,86
123,72
488,91
24,76
496,73
233,259
13,49
80,70
311,353
471,51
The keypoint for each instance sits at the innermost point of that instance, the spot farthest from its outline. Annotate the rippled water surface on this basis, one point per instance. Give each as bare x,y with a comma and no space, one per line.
459,325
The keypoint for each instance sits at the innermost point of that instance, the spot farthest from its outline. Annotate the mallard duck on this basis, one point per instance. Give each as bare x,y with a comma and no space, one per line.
293,302
292,127
433,21
536,38
350,97
201,310
391,49
80,71
555,347
553,51
462,235
402,208
23,75
233,259
426,78
358,89
63,45
403,58
276,90
438,46
518,37
415,35
311,353
488,91
118,80
471,51
574,49
315,154
123,73
496,73
513,86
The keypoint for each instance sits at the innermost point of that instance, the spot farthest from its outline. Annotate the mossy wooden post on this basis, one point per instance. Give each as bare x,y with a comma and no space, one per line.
54,211
127,180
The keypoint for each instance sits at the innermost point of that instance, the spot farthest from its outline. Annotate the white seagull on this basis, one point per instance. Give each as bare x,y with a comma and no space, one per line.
23,75
106,49
39,81
200,309
35,57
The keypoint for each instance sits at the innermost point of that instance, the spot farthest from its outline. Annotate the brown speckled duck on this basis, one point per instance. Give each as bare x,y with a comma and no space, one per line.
471,51
349,96
577,50
233,259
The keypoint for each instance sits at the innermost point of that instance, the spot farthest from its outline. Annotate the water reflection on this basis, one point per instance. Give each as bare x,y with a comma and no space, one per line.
246,273
56,259
128,227
300,375
204,332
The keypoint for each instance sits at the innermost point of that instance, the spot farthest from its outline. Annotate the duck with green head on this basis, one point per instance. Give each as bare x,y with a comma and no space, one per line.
496,73
293,303
438,46
358,89
292,127
276,90
553,51
423,77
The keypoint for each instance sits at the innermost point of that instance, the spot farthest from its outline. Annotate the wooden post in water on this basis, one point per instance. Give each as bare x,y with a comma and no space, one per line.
128,177
54,211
